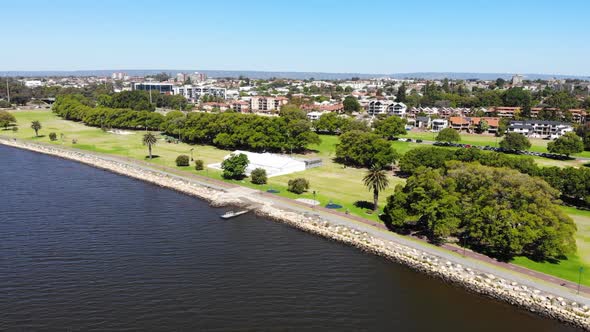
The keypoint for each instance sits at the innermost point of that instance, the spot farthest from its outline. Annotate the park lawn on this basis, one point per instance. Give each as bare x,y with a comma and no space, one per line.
537,144
331,181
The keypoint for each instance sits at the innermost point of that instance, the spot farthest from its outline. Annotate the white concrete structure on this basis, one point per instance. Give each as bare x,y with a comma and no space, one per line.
540,128
274,164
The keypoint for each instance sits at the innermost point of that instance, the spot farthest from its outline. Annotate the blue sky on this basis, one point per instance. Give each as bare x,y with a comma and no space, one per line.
323,35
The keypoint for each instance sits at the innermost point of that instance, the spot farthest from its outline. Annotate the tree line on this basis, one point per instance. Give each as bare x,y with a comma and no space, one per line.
572,183
290,132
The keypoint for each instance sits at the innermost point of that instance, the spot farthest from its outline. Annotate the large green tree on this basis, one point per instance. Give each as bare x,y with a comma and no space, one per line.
390,127
363,149
497,211
234,167
351,104
515,141
6,119
566,144
448,135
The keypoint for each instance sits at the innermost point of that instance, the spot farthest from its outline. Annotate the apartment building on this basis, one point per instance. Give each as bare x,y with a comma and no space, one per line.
194,92
263,104
389,107
540,128
471,124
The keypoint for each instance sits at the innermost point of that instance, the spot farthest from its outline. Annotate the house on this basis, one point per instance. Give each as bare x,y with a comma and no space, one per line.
422,122
240,106
439,124
314,115
540,128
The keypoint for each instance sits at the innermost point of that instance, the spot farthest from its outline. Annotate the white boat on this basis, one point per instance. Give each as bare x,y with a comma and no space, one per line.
231,214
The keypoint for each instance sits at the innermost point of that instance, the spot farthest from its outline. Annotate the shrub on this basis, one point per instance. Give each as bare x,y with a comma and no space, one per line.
53,136
199,165
259,176
298,185
182,160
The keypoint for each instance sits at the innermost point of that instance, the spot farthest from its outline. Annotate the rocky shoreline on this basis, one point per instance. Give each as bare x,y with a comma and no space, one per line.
565,310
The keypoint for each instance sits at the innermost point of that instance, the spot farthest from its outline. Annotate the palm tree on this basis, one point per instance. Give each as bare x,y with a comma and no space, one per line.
149,139
36,126
376,180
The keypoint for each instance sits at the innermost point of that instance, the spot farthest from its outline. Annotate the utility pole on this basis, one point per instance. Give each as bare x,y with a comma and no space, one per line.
7,90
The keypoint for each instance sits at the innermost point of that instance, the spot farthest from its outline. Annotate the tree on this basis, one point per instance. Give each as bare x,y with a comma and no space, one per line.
53,136
562,100
351,104
390,127
400,96
376,180
150,140
199,165
234,167
36,126
497,211
329,122
482,126
517,97
259,176
448,135
6,119
566,144
515,141
182,160
364,149
298,185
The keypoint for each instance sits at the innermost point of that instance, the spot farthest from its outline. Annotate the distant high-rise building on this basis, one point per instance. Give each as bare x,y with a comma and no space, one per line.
118,76
517,80
197,77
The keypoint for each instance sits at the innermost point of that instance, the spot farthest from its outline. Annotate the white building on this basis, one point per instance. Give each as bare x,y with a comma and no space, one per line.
439,124
313,116
540,128
194,92
390,107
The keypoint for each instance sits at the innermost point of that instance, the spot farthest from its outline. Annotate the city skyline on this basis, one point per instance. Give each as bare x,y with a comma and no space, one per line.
375,38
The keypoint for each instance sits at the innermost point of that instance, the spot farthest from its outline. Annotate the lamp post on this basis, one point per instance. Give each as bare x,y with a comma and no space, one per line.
192,154
580,270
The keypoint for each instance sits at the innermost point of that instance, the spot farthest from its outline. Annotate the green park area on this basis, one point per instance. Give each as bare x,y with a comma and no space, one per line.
332,182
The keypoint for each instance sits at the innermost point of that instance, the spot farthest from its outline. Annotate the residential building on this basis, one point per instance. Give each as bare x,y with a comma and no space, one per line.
263,104
517,80
240,106
194,92
439,124
471,124
390,107
314,115
540,128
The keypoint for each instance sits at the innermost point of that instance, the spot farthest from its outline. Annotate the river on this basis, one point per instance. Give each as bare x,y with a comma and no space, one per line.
85,249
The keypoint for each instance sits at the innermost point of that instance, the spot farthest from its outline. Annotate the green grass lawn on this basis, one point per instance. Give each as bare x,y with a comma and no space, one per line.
331,181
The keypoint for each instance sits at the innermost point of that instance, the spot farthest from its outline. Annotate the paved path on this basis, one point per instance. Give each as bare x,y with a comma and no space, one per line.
474,260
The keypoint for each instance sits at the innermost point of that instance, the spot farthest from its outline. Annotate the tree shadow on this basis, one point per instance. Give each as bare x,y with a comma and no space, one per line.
364,205
154,156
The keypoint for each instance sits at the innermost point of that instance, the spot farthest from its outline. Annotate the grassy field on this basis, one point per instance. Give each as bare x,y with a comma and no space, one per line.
537,144
331,181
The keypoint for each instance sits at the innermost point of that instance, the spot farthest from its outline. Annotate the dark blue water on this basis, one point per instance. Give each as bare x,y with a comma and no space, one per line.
83,249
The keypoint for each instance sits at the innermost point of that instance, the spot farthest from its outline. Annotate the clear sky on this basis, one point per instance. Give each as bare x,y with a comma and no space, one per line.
517,36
